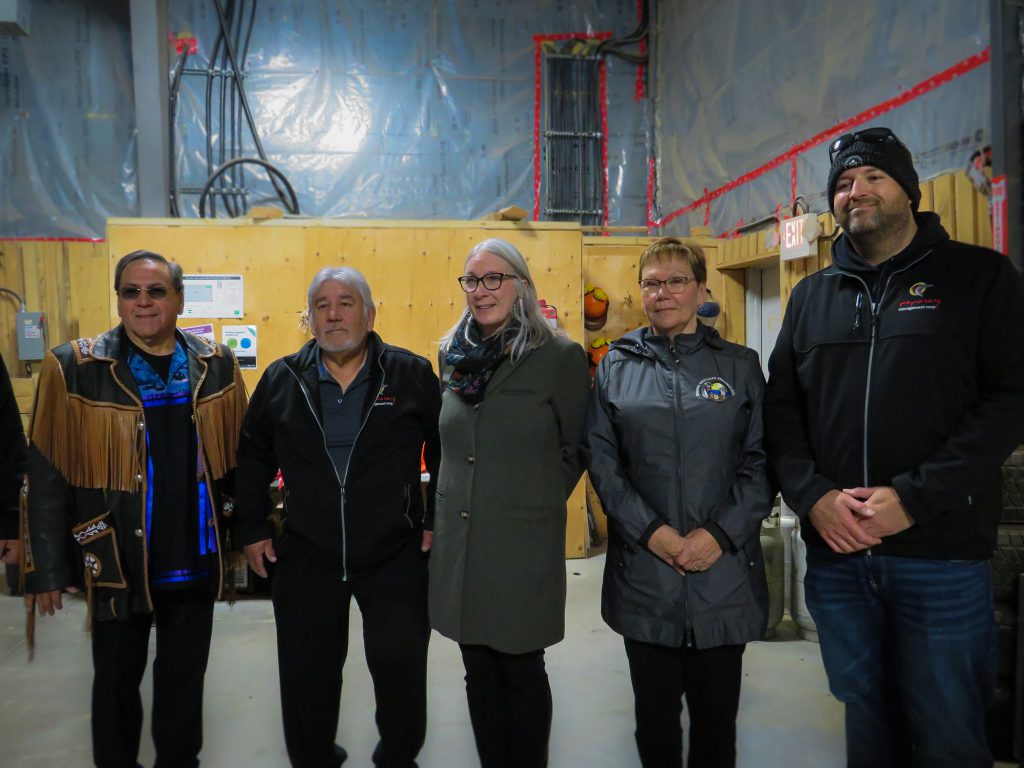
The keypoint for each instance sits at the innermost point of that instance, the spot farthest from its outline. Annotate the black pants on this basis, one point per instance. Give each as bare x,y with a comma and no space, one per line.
710,680
184,623
311,608
509,706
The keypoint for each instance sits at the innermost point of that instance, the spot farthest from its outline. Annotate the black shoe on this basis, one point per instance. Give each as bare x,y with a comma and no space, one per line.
340,753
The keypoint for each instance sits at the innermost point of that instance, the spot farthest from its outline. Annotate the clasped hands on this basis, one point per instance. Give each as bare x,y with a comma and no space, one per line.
858,518
695,552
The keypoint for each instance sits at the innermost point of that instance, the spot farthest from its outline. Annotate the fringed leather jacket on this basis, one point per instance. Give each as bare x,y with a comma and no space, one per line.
87,463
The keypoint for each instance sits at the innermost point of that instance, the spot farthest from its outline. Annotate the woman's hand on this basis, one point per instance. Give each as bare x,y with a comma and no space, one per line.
700,551
667,544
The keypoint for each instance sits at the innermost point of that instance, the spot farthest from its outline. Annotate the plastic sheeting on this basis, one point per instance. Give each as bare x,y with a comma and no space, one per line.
741,84
405,108
67,148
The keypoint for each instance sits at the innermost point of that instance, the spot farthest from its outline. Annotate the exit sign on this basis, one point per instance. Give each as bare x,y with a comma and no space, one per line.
798,237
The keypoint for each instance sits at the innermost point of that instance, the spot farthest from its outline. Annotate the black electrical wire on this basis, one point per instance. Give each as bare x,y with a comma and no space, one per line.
291,201
227,107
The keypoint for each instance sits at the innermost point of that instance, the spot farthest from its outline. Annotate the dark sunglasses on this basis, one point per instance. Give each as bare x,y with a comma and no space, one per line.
868,135
132,292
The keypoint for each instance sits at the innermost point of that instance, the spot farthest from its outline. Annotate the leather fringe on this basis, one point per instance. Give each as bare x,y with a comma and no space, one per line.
219,423
93,445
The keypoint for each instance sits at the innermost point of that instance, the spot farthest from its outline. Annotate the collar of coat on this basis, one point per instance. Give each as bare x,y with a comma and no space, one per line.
641,341
108,346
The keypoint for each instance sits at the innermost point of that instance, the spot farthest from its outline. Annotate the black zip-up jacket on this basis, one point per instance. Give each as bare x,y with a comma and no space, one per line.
908,375
351,519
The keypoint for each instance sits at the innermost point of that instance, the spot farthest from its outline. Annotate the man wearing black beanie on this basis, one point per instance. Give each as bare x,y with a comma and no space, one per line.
896,391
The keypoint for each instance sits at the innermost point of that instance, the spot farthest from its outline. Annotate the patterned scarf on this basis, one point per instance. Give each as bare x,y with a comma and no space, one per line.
475,361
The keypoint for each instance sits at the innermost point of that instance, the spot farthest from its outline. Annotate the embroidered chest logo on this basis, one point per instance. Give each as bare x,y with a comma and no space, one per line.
714,388
383,399
918,299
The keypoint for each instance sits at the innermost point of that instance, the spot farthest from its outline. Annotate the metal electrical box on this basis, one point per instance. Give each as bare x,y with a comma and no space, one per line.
31,335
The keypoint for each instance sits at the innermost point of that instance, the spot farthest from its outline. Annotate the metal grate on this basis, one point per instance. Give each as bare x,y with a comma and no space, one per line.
573,173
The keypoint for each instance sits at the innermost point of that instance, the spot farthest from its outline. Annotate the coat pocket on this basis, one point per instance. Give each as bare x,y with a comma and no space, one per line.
100,554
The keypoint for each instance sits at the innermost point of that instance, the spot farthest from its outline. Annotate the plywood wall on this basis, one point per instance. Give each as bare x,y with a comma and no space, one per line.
411,267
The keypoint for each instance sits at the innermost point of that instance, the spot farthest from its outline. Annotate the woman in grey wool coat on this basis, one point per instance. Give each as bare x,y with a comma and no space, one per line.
675,451
512,413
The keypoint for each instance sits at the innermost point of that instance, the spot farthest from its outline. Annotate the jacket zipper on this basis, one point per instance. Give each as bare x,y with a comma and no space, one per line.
677,408
876,309
348,462
323,436
340,478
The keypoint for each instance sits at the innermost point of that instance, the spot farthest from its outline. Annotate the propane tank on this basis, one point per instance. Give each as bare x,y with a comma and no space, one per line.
774,568
797,605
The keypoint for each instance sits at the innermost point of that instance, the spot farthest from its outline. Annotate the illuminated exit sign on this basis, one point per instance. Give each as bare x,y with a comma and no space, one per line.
798,237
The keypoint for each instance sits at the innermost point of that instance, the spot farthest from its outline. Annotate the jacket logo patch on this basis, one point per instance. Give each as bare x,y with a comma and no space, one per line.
918,300
383,399
918,289
94,530
92,564
715,389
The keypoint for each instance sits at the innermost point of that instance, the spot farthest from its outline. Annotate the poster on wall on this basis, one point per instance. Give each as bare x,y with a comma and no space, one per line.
204,331
213,296
241,339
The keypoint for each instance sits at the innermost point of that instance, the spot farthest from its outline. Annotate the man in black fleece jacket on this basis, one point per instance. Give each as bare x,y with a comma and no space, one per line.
346,419
896,391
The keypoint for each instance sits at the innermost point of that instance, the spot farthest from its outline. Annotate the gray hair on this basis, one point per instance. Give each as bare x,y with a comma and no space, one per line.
534,329
177,274
349,276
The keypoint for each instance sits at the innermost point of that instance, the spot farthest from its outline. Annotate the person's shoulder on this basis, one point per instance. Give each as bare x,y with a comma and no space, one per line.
560,344
402,356
977,255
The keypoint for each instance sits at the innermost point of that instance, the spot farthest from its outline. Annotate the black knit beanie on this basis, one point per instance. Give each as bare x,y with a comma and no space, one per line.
889,156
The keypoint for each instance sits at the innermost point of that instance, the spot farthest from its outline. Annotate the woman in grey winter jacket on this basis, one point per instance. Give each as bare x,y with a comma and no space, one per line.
674,447
515,395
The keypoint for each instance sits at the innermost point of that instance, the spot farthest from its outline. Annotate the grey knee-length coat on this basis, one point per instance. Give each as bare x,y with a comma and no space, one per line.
508,464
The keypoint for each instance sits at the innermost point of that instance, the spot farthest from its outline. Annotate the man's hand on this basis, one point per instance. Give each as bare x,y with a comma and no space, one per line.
10,551
45,602
837,516
884,513
667,544
255,553
427,541
700,553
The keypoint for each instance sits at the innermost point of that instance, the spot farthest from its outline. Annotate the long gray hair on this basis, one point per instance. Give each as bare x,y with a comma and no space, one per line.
349,276
534,330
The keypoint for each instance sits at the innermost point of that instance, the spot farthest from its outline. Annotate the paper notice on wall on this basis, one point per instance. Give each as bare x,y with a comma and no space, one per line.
241,339
213,296
204,331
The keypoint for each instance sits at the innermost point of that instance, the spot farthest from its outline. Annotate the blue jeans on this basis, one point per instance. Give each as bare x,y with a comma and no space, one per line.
910,647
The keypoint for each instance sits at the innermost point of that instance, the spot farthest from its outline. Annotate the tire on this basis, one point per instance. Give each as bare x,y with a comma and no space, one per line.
1007,563
1013,488
1006,621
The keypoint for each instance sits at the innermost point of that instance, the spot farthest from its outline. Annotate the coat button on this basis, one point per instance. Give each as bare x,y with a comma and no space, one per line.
470,459
476,407
465,514
142,425
138,533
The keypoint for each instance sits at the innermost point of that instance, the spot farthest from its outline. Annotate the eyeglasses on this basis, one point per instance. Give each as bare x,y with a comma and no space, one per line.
132,292
869,135
674,284
492,281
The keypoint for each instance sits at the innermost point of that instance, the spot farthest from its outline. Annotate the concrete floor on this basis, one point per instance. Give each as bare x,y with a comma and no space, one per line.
787,717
